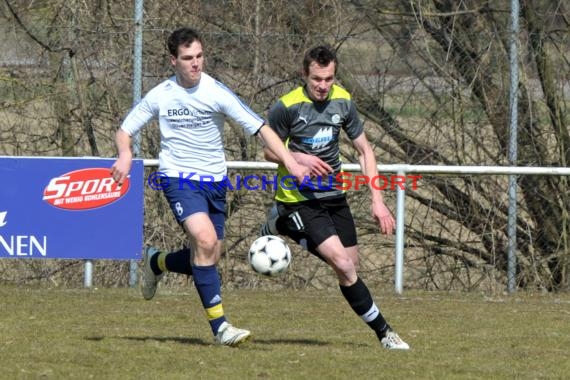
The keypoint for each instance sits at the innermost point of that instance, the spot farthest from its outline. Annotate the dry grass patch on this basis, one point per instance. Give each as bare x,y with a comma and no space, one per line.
115,334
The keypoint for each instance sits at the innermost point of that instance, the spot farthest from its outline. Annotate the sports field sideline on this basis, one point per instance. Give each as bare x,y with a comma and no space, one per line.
308,334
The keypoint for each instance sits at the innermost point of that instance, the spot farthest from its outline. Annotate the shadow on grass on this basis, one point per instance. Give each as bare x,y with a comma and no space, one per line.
192,341
308,342
200,342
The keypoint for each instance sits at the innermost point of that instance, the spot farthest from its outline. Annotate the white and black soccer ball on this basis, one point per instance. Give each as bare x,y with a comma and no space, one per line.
269,255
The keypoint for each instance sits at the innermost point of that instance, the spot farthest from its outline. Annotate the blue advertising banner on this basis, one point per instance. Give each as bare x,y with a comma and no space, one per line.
69,208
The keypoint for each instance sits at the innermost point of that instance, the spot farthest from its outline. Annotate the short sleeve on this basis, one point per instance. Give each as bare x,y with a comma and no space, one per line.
237,110
279,120
140,114
353,125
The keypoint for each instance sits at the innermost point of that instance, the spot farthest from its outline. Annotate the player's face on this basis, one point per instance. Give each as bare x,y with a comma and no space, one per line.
188,65
319,80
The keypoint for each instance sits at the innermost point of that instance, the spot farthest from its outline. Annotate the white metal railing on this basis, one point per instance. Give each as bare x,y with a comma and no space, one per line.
403,170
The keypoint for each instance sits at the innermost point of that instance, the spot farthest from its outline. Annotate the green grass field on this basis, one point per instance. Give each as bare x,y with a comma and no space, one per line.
115,334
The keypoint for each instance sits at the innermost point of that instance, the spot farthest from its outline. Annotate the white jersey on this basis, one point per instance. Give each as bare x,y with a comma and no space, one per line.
191,125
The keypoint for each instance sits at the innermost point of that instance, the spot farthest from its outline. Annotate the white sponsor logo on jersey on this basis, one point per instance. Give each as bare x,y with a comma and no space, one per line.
322,138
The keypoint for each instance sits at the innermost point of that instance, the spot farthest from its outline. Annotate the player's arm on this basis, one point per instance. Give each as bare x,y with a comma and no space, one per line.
367,161
121,168
133,123
274,145
316,166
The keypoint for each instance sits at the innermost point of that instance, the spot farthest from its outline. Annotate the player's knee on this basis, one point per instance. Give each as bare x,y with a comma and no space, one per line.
353,254
356,263
207,245
343,264
346,273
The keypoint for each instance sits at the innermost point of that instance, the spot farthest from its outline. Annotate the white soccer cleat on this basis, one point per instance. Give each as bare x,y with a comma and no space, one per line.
150,280
392,341
231,336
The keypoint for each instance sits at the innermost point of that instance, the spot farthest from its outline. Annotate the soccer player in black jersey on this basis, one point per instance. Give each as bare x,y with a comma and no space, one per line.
309,120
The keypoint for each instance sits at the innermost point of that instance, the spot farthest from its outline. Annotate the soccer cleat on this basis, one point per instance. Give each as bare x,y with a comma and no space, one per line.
270,226
392,341
231,336
150,280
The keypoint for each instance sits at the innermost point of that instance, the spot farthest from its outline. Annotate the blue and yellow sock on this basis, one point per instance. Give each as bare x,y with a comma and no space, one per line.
207,282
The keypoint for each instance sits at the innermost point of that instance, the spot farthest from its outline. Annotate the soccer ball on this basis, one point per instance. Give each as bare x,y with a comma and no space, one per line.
269,255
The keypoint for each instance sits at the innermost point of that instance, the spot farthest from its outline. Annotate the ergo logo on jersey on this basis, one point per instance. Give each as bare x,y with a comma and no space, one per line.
84,189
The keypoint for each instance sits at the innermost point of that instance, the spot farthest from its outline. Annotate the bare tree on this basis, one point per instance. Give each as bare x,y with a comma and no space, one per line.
431,80
464,46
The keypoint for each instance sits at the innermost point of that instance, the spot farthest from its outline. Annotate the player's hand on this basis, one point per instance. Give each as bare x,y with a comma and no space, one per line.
121,168
384,218
300,172
316,166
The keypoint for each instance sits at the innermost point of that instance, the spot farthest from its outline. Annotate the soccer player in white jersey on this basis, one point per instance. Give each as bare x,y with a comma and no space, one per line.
310,118
191,108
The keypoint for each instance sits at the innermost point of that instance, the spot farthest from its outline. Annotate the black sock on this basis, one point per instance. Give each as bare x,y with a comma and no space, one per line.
154,263
179,261
360,300
382,333
176,262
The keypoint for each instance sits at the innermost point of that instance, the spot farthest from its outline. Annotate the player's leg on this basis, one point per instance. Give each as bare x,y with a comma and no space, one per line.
357,294
150,276
155,263
283,219
183,202
206,232
341,251
360,300
176,262
270,225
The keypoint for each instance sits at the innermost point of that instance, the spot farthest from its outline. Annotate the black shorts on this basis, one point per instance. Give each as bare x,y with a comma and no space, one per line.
317,220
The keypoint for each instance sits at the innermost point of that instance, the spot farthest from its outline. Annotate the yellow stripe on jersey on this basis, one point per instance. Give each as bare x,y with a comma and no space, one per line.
287,189
298,96
338,92
295,97
287,194
215,312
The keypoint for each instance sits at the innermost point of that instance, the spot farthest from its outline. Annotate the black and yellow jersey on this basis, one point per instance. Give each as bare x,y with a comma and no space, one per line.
313,128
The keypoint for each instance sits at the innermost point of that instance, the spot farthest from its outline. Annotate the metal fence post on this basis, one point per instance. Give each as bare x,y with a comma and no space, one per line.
88,274
400,211
512,219
137,95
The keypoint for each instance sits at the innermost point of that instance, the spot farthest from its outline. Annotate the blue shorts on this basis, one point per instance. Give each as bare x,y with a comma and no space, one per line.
187,199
